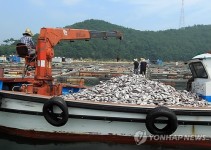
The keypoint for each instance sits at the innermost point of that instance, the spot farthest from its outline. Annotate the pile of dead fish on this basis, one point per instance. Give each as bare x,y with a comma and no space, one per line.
135,89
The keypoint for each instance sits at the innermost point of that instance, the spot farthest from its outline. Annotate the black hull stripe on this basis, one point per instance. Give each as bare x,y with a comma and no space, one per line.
23,97
105,107
137,109
104,118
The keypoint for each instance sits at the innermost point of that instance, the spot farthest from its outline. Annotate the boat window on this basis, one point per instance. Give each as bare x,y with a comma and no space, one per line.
192,70
197,70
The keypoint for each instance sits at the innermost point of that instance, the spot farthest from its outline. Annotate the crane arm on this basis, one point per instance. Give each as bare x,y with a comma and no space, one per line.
105,35
54,35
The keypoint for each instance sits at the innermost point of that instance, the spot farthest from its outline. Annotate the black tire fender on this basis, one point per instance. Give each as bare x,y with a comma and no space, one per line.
157,112
56,119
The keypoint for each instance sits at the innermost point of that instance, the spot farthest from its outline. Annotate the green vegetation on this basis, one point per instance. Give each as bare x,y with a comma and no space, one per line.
173,44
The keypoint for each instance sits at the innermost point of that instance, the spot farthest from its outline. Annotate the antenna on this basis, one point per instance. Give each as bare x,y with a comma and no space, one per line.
182,16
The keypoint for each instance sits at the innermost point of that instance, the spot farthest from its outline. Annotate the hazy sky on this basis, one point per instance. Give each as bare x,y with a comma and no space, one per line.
17,15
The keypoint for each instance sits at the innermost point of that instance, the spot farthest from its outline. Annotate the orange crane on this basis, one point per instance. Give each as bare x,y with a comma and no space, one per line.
48,38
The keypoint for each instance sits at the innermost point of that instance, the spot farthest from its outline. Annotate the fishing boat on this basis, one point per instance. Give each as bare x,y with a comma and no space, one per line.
53,118
34,109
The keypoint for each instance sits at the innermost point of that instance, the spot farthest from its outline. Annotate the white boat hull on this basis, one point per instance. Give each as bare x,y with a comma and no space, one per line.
22,115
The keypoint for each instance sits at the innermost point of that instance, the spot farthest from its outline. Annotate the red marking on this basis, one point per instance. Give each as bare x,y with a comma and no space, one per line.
71,137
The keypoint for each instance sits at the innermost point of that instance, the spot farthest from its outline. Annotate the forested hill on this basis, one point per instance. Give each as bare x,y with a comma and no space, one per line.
173,44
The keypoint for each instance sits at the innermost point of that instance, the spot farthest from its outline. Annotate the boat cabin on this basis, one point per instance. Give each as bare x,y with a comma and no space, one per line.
200,67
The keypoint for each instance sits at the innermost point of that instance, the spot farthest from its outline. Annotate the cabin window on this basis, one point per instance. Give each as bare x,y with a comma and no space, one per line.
197,70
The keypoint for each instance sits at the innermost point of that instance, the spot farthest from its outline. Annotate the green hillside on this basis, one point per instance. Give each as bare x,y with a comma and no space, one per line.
181,44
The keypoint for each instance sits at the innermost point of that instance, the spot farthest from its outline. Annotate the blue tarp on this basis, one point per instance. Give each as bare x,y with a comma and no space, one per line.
15,58
69,90
1,85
